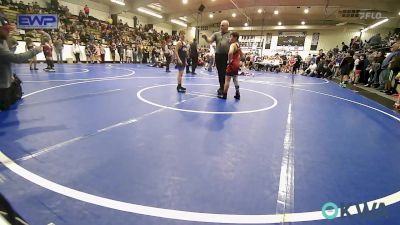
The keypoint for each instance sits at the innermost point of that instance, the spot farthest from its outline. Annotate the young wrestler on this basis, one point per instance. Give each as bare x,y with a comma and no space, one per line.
232,70
181,55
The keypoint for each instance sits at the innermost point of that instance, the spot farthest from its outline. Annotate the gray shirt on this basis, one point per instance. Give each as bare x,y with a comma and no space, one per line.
222,41
58,44
44,35
7,58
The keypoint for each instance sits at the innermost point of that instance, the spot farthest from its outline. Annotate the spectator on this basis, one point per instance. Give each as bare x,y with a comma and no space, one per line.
102,53
311,70
296,65
375,40
86,9
76,49
145,55
128,55
54,5
194,55
110,20
12,44
28,47
98,52
379,60
112,48
135,22
59,46
394,66
307,61
91,37
384,76
93,52
81,16
21,6
140,53
153,55
120,49
359,68
7,93
346,66
321,54
2,15
76,36
355,43
167,52
336,50
88,53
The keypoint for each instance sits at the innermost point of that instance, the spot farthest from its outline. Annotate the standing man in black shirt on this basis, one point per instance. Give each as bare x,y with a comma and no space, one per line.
344,47
320,56
194,55
297,63
221,53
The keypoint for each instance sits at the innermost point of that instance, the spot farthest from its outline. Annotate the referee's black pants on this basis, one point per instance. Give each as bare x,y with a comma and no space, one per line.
221,61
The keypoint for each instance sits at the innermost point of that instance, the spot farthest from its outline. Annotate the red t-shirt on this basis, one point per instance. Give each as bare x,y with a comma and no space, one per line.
86,9
234,66
47,50
292,61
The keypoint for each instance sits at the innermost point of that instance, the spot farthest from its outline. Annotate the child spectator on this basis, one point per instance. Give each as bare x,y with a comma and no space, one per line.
30,46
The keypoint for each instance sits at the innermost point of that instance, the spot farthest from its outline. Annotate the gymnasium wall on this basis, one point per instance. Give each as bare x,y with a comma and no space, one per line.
328,38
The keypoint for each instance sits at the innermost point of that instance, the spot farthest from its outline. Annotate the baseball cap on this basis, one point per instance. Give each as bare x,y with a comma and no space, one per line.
4,24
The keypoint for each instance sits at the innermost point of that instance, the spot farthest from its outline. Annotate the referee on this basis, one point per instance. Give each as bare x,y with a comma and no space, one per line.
221,53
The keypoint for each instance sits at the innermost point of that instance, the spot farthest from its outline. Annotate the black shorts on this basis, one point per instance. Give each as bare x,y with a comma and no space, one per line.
232,73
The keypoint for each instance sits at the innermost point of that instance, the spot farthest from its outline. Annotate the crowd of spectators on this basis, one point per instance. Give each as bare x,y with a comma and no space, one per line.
142,42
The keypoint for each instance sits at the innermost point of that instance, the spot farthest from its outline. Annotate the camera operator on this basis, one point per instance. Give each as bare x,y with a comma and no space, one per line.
10,90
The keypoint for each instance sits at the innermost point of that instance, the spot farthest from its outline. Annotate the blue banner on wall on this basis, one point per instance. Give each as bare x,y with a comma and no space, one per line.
37,21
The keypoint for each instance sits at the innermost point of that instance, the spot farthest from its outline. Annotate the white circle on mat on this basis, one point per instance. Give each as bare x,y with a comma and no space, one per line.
139,95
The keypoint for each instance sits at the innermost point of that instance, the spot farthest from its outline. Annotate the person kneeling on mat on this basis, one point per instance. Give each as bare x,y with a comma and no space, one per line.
232,70
181,55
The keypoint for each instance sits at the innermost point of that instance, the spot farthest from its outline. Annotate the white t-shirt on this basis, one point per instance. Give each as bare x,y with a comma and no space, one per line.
76,48
356,62
312,67
212,50
129,53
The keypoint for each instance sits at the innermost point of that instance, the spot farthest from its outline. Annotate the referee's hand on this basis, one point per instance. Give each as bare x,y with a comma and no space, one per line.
38,49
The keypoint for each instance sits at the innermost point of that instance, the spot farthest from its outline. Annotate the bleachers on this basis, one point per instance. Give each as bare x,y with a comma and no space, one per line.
10,14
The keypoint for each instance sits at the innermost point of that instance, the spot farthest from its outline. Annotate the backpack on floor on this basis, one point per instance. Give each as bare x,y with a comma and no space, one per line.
9,96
